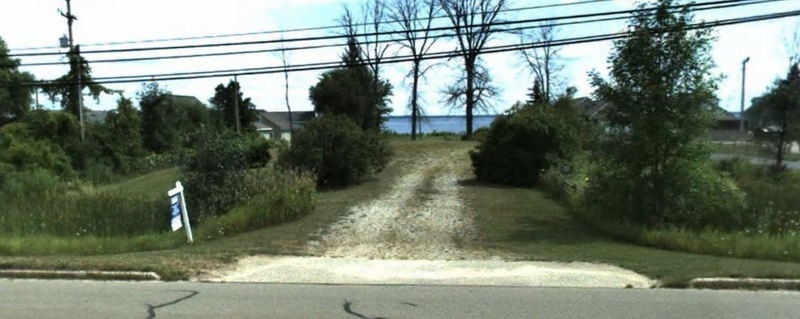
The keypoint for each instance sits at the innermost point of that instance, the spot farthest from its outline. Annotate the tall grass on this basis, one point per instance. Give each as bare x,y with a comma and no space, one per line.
58,222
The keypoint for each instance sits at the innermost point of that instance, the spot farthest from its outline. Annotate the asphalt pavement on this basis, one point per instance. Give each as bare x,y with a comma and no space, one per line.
94,299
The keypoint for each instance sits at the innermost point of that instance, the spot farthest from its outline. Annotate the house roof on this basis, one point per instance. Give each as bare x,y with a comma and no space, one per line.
96,117
281,119
183,98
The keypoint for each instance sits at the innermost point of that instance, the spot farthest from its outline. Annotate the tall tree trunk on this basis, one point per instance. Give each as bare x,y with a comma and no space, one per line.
470,95
414,107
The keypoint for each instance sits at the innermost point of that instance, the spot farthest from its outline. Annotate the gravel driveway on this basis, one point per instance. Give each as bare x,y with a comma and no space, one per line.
419,232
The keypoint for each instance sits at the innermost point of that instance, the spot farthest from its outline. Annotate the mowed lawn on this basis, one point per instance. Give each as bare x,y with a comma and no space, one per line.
516,224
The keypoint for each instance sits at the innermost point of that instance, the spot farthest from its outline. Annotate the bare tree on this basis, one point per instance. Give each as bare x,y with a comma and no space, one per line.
414,15
482,90
472,22
542,61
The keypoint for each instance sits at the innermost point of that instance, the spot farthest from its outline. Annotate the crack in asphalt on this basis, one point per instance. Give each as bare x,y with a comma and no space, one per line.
151,310
350,311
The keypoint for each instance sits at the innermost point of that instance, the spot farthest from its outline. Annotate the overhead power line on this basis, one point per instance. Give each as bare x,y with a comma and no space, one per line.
328,27
733,3
333,45
436,55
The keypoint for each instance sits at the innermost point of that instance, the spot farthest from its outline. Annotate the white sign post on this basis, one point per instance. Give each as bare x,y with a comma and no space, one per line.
178,211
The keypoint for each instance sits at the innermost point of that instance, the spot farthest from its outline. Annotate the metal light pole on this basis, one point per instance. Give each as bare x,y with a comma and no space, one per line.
741,114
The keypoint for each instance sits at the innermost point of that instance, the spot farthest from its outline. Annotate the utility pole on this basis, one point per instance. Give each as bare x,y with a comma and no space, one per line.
741,114
236,103
75,53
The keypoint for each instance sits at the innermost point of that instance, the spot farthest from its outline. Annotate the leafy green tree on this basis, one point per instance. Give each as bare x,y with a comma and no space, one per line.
124,138
776,114
351,91
168,120
224,103
63,88
15,99
654,165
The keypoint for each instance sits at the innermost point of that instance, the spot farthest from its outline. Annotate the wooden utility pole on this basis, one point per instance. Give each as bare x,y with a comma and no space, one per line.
75,53
236,103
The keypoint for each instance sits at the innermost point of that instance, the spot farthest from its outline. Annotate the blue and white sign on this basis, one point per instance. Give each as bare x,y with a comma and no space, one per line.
176,215
179,215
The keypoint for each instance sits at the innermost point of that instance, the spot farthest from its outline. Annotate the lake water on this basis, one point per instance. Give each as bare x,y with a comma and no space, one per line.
439,123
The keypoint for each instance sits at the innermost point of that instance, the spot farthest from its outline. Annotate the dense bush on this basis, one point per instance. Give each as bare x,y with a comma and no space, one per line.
217,174
773,204
698,196
337,150
280,196
527,140
23,152
567,181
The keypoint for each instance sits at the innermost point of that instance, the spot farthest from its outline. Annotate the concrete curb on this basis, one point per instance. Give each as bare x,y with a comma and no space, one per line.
79,274
745,283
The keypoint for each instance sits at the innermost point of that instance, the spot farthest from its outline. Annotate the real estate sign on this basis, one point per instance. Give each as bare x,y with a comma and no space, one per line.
179,215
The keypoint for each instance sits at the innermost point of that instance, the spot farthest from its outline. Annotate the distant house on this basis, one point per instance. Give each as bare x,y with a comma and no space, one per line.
95,117
276,125
726,126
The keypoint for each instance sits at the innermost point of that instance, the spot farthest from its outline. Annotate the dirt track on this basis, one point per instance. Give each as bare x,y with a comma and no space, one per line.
422,217
419,232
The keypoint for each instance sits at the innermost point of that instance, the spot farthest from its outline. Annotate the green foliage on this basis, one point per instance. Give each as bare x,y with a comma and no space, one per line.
567,181
124,144
353,91
63,89
223,102
217,174
168,120
35,202
529,139
653,165
15,99
20,151
281,196
773,206
776,114
337,150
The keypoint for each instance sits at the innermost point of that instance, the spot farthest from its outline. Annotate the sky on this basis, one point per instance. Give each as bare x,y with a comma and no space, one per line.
37,23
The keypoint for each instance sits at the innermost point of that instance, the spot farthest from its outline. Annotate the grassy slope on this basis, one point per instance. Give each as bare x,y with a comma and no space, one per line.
287,238
517,223
151,185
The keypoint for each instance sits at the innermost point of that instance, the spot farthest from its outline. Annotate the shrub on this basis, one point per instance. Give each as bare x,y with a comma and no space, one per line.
772,203
337,150
257,151
567,181
281,196
216,174
527,140
20,150
697,196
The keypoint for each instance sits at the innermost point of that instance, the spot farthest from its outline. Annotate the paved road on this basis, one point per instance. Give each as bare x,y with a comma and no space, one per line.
86,299
755,160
